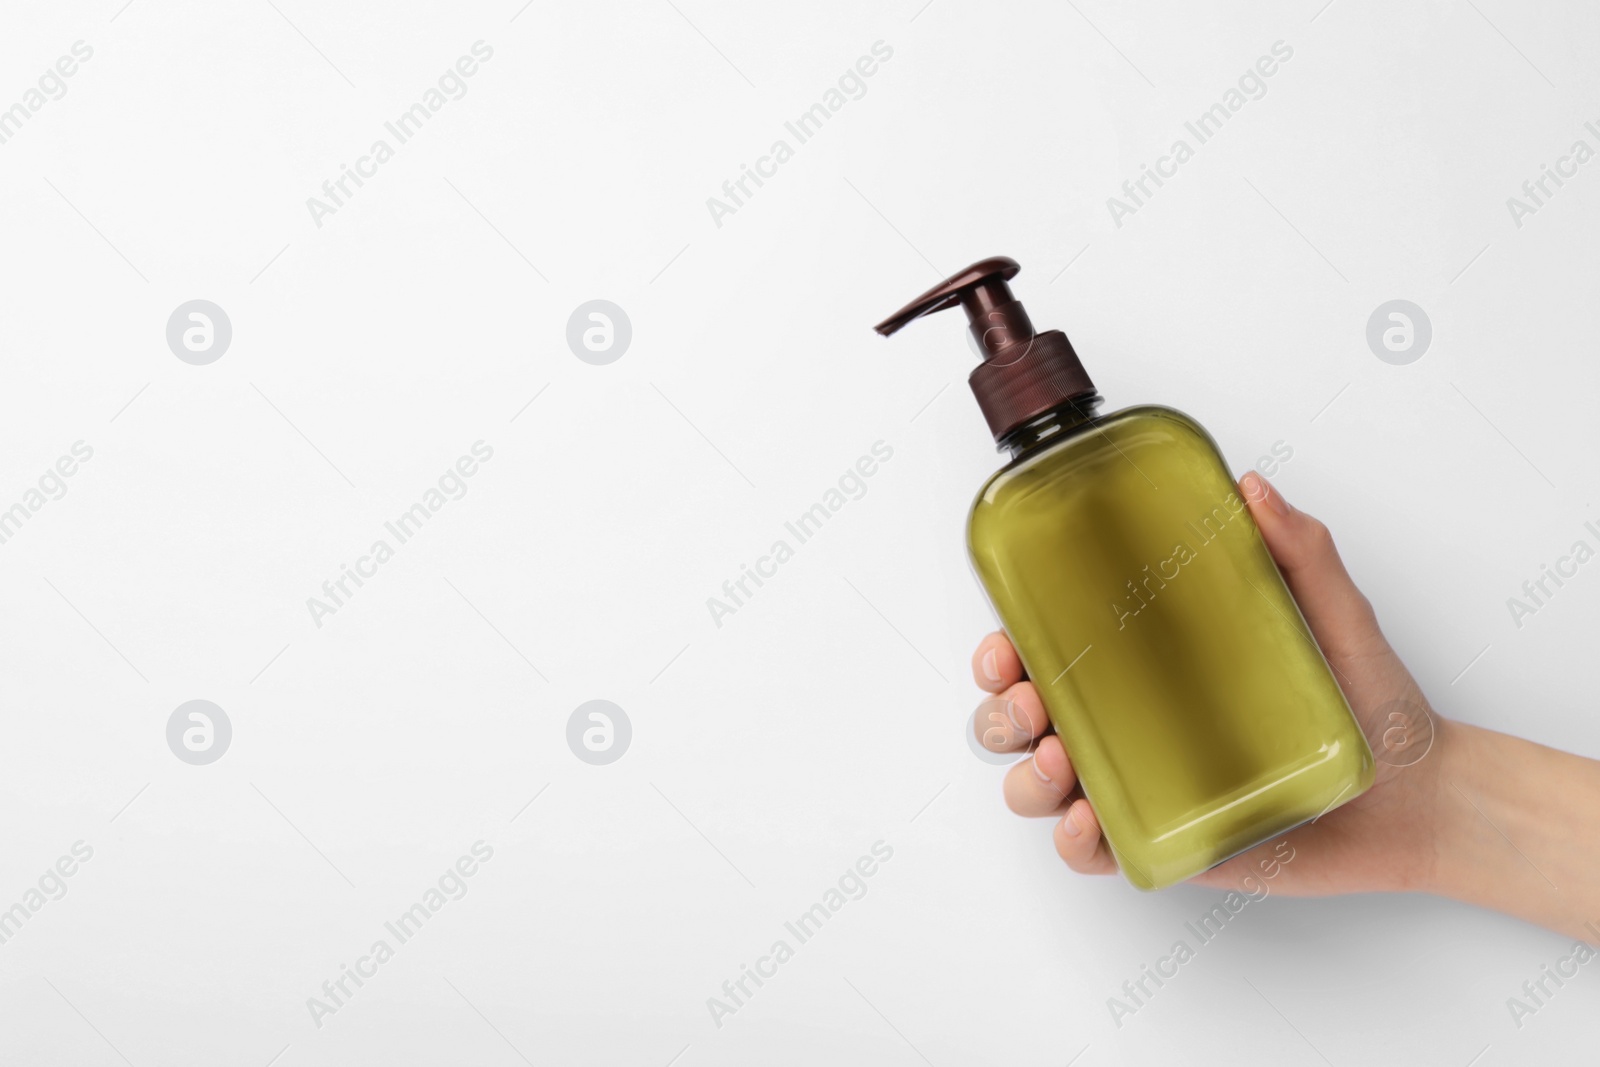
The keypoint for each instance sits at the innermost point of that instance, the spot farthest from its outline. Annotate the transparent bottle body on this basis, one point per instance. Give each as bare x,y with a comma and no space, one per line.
1198,712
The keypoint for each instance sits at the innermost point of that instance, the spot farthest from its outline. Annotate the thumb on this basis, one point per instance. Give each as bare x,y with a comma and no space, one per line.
1375,682
1340,617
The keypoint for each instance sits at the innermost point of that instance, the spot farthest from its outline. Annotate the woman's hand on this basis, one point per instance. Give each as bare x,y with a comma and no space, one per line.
1455,810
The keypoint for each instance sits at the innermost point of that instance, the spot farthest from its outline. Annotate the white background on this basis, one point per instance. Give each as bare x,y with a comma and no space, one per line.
827,714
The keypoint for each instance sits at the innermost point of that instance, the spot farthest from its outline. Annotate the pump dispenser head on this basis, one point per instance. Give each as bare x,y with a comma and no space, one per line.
1023,374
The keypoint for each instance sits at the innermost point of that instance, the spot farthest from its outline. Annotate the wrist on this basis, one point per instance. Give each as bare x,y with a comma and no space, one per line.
1513,829
1456,842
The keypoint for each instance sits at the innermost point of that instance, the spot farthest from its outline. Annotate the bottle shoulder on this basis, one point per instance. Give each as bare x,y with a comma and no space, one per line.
1158,415
1141,426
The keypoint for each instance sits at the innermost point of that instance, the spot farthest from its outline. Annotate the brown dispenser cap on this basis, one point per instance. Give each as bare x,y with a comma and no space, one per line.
1023,373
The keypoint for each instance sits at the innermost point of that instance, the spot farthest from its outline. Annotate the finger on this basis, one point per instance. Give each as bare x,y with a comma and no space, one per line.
1251,871
1078,841
1041,784
1012,721
1340,617
995,664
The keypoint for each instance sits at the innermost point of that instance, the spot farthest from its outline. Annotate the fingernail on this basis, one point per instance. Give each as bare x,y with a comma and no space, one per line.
1039,774
1257,489
991,666
1253,489
1070,825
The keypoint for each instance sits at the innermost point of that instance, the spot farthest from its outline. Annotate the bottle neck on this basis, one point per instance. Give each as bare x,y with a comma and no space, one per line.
1054,424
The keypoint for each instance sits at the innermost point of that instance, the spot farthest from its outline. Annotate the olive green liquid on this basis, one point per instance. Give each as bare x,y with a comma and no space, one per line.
1195,705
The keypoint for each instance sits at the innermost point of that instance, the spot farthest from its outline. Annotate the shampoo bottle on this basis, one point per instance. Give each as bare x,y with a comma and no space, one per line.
1193,701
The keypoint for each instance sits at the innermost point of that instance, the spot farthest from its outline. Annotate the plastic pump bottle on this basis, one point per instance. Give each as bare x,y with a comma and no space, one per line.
1196,707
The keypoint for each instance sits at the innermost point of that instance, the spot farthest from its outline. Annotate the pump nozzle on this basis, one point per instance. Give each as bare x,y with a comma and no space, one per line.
995,317
1023,373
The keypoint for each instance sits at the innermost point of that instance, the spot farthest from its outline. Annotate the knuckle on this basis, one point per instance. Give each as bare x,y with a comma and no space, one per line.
1318,536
